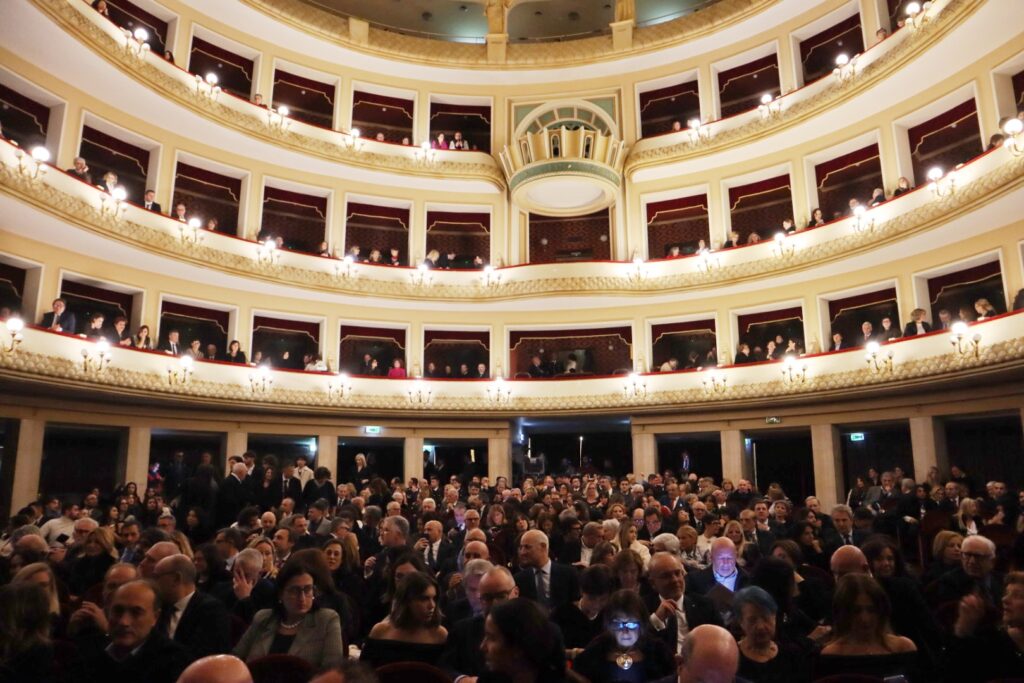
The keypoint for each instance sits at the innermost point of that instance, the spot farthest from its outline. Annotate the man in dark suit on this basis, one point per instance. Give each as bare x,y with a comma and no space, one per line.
290,486
674,613
60,319
537,369
232,496
842,532
975,575
148,202
462,655
248,591
867,334
137,650
173,344
542,580
367,367
176,473
81,170
197,621
437,551
723,570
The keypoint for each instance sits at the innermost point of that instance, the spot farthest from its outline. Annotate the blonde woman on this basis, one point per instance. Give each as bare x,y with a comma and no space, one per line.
985,309
40,574
945,555
184,545
692,557
266,548
98,553
610,532
966,519
627,541
746,553
432,258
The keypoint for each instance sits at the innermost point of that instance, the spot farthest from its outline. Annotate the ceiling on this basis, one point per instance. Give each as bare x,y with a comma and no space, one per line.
529,20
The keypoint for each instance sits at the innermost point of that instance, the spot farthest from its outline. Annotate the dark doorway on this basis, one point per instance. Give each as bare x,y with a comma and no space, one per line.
164,443
285,447
77,459
988,448
8,454
881,447
606,446
784,458
463,457
702,451
383,456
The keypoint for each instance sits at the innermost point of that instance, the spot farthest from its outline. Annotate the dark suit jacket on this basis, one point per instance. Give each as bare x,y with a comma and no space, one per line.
314,492
704,580
911,329
159,660
462,655
231,498
166,348
564,585
153,207
204,628
446,553
66,321
698,609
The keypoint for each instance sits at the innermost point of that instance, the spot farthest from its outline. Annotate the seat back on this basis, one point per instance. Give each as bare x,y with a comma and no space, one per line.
403,672
280,669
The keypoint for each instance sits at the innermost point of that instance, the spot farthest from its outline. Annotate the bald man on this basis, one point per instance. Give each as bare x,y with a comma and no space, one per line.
234,494
709,655
438,552
220,668
156,552
462,656
91,618
549,583
197,621
723,570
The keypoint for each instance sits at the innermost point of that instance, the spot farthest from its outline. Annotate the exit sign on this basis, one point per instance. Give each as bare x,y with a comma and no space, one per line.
856,436
773,420
372,430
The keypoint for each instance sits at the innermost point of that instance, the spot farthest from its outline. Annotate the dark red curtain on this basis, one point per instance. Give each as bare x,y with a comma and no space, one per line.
25,120
677,222
233,71
740,88
474,122
107,153
576,238
818,53
465,234
849,176
309,101
208,195
131,16
372,114
660,108
301,219
951,138
761,207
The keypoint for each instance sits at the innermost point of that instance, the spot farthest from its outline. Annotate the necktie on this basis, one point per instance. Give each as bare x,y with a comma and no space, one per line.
846,540
541,593
430,554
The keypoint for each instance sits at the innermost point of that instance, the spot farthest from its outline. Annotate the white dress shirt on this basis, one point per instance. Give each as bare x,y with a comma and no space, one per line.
682,628
179,609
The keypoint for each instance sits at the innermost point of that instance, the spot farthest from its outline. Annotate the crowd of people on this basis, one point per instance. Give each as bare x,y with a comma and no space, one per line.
559,577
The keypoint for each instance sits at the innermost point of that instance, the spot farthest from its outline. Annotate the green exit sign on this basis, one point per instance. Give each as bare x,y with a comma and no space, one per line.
773,420
372,430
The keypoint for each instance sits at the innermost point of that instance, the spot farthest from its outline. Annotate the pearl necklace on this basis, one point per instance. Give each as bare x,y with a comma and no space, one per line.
292,627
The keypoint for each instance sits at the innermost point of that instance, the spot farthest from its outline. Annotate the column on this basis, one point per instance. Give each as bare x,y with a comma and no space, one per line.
164,181
825,446
874,14
414,350
65,148
235,443
499,458
735,463
250,216
790,73
27,463
263,78
815,325
988,108
343,105
707,93
645,453
928,441
327,453
421,118
718,214
136,466
1013,270
889,157
179,41
800,191
417,232
412,457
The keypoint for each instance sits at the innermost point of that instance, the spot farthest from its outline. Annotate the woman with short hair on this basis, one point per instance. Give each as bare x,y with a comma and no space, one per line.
945,555
762,657
625,650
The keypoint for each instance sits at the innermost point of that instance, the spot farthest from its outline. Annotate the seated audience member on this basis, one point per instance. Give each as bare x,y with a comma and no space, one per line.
195,350
945,556
180,212
974,575
880,35
673,611
196,621
235,353
537,368
733,241
753,238
917,324
458,142
393,258
439,142
463,655
101,7
136,648
219,668
981,652
708,654
788,227
119,334
763,658
375,256
549,583
581,622
966,519
817,219
902,187
723,570
149,202
863,642
313,362
888,332
995,141
671,365
877,197
379,137
296,625
432,259
413,630
396,371
743,354
677,126
109,182
624,645
867,334
81,170
59,319
26,651
985,309
884,557
521,645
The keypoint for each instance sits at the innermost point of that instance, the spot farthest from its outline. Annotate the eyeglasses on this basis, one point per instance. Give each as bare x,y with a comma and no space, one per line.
625,625
975,556
300,591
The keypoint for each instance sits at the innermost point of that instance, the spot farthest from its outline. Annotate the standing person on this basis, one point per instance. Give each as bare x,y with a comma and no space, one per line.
233,495
320,487
540,579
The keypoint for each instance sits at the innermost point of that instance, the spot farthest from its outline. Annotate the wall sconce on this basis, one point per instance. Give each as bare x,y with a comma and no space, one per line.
708,263
784,247
421,277
14,327
635,387
260,381
498,393
339,388
278,120
207,88
846,67
963,344
189,232
698,131
353,140
491,277
638,272
943,184
792,371
419,394
266,252
715,384
112,203
770,107
1013,129
862,222
425,155
181,374
32,166
343,270
96,360
879,362
135,44
917,14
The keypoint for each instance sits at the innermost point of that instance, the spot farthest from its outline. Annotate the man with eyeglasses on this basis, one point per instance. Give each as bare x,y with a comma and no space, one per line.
196,621
462,658
975,575
674,613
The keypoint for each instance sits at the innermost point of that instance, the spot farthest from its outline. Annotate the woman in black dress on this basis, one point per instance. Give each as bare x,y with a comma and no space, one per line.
413,631
521,645
624,652
26,652
763,657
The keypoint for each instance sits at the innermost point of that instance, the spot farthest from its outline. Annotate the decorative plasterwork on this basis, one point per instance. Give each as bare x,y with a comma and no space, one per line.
392,45
74,19
65,373
833,242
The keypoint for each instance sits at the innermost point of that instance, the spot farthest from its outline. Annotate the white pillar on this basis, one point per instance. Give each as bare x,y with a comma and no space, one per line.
412,457
27,463
827,454
928,442
499,458
645,453
136,466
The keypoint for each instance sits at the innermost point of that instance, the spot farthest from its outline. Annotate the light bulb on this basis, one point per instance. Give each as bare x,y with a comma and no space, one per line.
119,193
913,9
41,154
186,362
283,110
842,59
780,236
355,132
934,173
15,325
212,78
766,98
1013,126
270,244
693,123
141,34
872,348
959,328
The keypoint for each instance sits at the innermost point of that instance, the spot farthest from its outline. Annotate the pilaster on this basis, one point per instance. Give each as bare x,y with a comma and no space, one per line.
928,442
412,457
735,463
27,463
327,453
645,453
827,454
136,467
499,458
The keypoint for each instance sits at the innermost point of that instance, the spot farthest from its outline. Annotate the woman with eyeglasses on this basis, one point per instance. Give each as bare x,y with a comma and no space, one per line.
295,625
624,651
413,630
763,658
